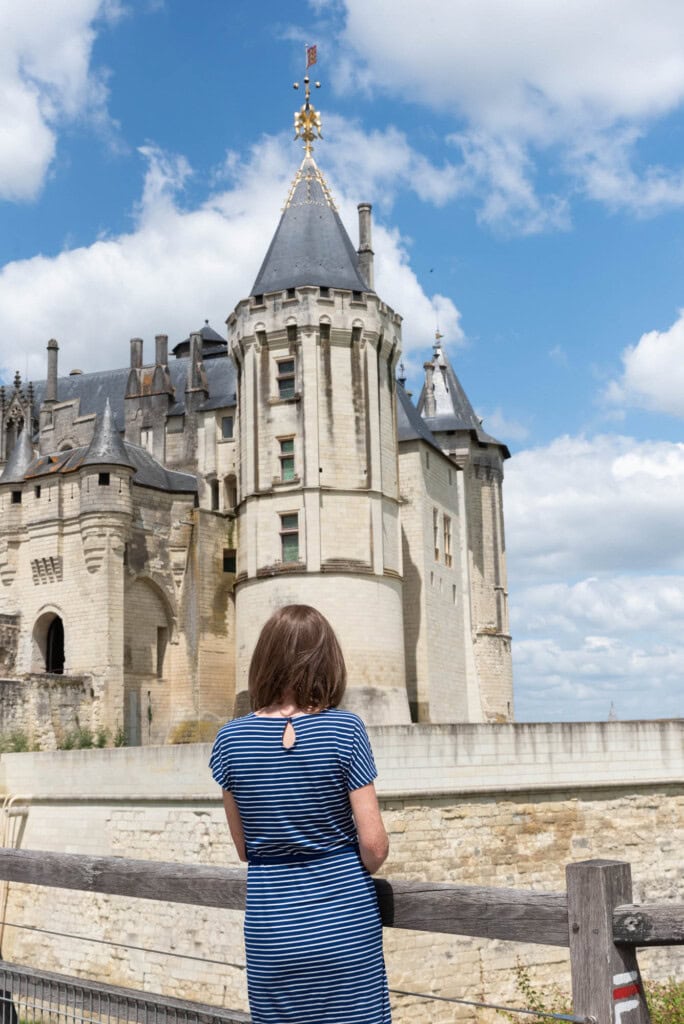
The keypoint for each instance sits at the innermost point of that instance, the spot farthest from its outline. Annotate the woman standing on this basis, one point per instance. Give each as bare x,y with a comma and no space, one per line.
297,778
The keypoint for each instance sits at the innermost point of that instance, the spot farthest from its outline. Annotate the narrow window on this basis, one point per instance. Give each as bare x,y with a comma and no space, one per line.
325,332
286,378
146,439
103,479
16,497
357,296
291,294
447,540
258,300
162,641
289,536
324,292
435,532
287,462
356,335
214,495
226,427
36,490
229,560
427,460
231,491
450,478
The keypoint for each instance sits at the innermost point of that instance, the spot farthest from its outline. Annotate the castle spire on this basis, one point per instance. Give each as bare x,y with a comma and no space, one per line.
307,120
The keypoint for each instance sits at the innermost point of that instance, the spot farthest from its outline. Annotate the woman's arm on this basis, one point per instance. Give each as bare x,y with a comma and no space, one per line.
235,824
373,841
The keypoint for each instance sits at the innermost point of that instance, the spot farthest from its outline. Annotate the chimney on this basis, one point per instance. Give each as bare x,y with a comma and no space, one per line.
161,345
365,250
136,353
51,389
197,378
429,407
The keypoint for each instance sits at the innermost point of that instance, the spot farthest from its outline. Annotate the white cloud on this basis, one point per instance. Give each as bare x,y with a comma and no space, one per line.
596,577
180,265
579,81
653,372
503,427
581,507
45,80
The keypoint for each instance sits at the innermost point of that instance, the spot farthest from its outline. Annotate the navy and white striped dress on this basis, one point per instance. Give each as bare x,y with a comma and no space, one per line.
313,935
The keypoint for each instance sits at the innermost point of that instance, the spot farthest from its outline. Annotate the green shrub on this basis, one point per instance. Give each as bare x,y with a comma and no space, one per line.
14,742
665,999
193,731
80,738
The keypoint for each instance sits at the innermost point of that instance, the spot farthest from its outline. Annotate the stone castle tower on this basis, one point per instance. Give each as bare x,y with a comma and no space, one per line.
155,515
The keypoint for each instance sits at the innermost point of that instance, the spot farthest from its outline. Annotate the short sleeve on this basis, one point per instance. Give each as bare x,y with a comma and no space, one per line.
361,768
219,762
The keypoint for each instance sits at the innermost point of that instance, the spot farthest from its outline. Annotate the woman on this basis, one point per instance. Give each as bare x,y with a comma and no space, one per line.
297,778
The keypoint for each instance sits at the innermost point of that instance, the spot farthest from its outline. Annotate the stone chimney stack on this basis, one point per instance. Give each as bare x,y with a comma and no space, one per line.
430,407
365,250
161,344
51,389
136,353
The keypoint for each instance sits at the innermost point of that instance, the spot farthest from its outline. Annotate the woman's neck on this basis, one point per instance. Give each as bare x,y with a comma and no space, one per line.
285,708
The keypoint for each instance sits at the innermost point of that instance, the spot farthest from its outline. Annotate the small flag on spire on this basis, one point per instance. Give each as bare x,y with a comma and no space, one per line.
310,56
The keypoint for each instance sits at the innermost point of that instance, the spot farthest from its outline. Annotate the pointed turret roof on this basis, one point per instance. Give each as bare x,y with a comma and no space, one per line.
106,447
311,245
452,408
20,458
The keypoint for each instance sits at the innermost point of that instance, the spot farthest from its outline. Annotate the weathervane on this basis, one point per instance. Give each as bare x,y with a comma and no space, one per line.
307,120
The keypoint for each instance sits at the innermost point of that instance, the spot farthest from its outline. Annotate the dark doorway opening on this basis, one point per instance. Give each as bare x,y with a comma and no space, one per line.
54,647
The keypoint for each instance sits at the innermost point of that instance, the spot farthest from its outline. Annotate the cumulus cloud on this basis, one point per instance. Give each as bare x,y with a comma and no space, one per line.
653,372
181,265
596,577
575,81
46,80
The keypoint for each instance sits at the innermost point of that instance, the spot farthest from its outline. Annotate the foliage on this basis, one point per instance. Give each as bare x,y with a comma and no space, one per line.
193,731
120,738
665,999
15,742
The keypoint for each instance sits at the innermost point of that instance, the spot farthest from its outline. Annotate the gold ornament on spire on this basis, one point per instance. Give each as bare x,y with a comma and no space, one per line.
307,120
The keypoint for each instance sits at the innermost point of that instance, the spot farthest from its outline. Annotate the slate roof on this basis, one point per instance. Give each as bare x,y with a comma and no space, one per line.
148,472
20,458
94,389
106,447
453,410
410,424
311,245
213,343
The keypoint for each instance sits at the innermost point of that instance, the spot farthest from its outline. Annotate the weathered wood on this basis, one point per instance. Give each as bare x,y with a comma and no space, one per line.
606,983
651,924
510,914
200,884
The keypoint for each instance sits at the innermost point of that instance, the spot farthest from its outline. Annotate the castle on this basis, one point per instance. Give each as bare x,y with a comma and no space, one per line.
154,516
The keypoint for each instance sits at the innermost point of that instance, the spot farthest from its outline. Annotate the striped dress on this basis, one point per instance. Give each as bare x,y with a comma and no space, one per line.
313,935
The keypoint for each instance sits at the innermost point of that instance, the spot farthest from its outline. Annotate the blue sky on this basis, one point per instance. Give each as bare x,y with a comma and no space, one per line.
525,160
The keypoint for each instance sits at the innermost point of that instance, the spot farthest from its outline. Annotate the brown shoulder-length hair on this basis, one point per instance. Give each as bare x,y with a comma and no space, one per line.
297,654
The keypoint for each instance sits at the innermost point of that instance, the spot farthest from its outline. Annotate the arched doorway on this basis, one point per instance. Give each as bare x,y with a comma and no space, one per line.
48,644
54,647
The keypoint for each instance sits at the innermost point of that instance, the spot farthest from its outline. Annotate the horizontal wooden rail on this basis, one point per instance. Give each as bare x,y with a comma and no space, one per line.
510,914
653,924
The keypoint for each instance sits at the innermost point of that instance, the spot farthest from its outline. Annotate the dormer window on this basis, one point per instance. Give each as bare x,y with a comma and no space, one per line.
103,479
16,497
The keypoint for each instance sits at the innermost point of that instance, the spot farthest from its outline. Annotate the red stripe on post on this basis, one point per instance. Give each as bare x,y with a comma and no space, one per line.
626,990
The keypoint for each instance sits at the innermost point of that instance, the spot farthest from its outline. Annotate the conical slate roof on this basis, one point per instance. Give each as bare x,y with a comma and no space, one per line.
453,410
106,447
20,458
311,245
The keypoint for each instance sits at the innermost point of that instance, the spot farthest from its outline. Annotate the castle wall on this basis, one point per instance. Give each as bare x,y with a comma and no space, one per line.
505,805
441,676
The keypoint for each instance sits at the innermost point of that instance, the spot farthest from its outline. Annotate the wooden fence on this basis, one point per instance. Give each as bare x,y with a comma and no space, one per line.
595,919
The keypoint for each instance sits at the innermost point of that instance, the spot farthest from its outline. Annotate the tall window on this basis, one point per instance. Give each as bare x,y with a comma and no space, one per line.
287,462
435,532
286,378
226,427
447,540
289,536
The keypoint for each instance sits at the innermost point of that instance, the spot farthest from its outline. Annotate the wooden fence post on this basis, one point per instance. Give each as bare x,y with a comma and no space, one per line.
606,983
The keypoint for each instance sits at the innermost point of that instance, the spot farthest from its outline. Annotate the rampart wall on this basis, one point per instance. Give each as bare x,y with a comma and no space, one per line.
501,805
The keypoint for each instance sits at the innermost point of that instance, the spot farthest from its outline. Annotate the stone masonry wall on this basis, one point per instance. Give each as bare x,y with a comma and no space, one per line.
468,804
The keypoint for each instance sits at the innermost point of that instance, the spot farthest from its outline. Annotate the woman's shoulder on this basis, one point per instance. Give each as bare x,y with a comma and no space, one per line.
348,721
235,725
